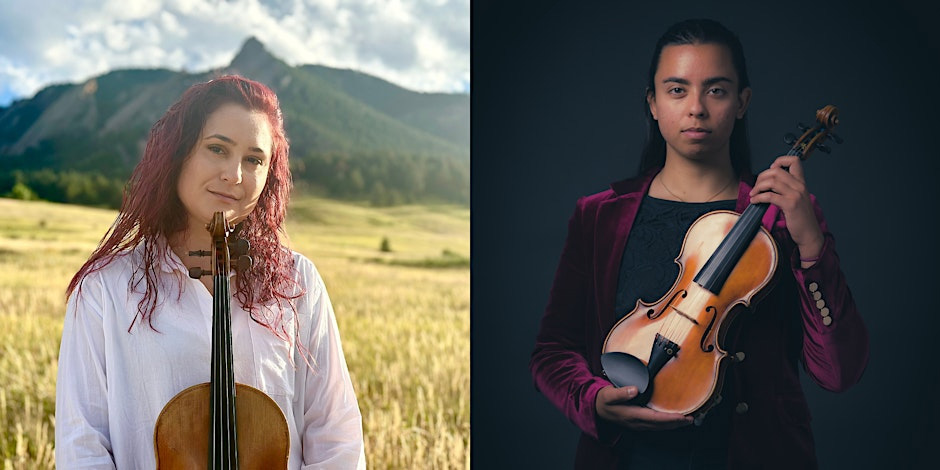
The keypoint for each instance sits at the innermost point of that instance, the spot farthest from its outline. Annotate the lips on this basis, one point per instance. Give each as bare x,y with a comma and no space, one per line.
696,132
224,195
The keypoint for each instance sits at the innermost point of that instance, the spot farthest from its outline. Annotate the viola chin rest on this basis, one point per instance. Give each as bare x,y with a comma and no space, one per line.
624,370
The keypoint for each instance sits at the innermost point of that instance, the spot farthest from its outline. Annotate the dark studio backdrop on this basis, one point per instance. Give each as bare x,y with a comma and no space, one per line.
557,114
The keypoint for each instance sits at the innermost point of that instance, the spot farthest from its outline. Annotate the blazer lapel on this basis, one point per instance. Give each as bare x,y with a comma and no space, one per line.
615,217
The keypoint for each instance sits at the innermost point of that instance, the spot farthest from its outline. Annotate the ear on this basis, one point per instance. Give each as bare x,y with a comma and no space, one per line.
651,102
744,98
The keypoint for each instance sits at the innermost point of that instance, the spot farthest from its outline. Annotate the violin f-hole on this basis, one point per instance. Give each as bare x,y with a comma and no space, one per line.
711,347
652,315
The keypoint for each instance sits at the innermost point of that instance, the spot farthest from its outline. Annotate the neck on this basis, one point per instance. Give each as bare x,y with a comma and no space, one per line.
687,180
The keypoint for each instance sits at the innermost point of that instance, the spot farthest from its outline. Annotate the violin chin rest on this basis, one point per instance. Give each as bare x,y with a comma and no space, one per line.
625,370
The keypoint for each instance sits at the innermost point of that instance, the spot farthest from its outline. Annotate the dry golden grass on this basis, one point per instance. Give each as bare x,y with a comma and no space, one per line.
405,330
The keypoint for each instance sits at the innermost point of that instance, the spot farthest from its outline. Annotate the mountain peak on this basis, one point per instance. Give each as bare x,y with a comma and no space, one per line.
252,52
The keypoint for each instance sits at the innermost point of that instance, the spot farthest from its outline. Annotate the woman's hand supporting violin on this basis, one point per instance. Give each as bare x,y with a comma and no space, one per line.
783,185
612,404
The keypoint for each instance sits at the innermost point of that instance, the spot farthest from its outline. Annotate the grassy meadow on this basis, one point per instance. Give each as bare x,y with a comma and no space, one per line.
403,314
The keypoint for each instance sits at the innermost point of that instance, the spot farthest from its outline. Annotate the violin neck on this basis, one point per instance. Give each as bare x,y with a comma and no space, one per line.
223,447
716,270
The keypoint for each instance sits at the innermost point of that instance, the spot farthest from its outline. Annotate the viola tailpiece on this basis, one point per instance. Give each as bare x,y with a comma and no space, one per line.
676,358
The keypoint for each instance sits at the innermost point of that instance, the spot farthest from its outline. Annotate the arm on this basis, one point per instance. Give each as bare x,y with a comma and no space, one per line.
559,362
332,436
82,435
835,340
570,337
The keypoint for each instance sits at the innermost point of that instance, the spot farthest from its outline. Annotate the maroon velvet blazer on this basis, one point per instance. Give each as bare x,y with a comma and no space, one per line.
784,329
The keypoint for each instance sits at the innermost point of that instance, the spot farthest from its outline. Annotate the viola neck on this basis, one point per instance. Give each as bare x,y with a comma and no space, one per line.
223,442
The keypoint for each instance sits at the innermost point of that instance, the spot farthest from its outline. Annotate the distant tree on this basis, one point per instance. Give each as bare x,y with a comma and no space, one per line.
22,192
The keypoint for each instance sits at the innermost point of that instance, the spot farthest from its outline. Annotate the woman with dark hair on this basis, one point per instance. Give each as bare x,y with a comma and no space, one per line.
137,328
622,247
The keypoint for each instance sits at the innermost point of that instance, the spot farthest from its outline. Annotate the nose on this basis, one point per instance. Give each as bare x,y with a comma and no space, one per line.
697,106
232,171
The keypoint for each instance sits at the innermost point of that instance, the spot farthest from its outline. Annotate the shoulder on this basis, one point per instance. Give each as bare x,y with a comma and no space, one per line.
624,188
308,276
113,272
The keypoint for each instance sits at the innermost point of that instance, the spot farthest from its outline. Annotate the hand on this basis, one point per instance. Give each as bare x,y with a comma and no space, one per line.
611,404
783,186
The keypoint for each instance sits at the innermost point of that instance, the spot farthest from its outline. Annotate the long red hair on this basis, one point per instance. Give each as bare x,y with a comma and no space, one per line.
152,212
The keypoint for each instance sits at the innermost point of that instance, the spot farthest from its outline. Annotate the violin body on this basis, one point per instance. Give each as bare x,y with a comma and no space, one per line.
180,434
694,320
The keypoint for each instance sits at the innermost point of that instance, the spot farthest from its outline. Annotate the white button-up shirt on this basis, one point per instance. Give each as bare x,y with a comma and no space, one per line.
112,383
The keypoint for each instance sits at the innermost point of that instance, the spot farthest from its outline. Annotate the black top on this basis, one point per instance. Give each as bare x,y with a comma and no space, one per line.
647,271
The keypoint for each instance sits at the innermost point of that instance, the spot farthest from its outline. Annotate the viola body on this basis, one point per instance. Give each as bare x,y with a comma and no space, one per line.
180,433
693,320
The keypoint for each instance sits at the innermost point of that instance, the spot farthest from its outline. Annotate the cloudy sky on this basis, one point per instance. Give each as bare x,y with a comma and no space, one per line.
422,45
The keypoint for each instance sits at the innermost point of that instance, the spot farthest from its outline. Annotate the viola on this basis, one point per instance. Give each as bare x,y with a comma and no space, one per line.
672,349
221,424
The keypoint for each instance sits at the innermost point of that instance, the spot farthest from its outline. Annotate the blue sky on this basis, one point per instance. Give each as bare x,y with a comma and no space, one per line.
423,45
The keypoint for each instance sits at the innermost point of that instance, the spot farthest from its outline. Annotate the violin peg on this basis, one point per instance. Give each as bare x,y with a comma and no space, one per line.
200,253
835,137
239,247
823,148
789,139
801,126
244,263
198,272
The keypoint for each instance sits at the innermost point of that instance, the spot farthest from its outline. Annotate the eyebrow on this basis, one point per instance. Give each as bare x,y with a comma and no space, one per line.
709,81
232,142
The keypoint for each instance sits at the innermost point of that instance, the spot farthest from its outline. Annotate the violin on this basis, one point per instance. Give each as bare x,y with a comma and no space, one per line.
198,427
671,350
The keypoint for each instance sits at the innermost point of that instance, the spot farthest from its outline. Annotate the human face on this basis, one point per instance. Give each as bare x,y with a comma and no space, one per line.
228,167
696,101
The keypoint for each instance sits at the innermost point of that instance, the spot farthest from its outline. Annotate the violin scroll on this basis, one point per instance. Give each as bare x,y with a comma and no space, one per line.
230,250
827,119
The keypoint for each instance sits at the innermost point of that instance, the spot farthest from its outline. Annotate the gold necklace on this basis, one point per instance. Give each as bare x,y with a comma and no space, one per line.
663,183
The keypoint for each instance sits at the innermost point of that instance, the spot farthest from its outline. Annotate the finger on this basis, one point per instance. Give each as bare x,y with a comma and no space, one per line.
769,197
653,416
776,180
791,164
622,395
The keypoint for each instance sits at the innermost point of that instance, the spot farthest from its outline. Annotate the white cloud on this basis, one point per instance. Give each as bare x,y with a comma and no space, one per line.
419,44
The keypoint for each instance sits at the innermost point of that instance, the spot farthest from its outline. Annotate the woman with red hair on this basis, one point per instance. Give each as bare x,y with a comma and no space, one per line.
138,329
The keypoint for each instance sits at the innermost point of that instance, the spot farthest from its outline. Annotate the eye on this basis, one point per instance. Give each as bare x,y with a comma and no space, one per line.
216,149
254,161
717,91
675,90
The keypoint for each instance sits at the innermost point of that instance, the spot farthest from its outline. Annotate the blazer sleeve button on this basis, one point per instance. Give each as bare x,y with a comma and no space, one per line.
741,408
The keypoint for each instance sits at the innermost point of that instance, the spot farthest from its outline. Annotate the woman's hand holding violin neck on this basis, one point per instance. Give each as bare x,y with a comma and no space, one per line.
612,404
783,185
